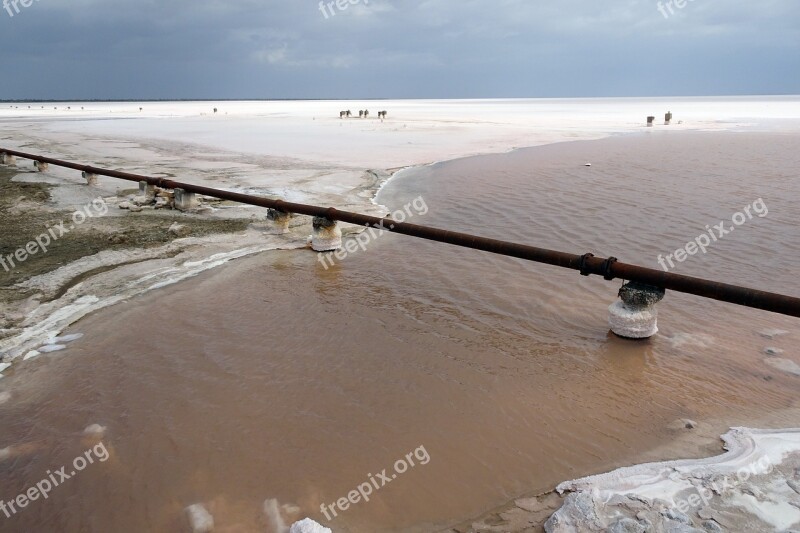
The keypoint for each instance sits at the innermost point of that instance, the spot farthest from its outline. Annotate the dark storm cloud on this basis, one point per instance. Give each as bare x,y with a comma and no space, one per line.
397,48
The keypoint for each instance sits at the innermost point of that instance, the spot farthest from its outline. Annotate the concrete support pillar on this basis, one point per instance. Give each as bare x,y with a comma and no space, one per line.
280,219
650,121
668,118
185,200
147,190
8,159
326,236
41,166
635,316
91,179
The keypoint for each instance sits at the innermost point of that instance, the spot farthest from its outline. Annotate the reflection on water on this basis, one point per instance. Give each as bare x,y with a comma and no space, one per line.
274,377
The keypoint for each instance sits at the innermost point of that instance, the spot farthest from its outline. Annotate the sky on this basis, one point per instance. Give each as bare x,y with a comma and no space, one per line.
298,49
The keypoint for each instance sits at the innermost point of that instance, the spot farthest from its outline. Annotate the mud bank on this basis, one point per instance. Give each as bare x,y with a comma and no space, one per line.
27,211
51,277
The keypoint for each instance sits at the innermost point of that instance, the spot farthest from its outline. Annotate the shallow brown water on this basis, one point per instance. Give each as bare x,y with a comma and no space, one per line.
273,377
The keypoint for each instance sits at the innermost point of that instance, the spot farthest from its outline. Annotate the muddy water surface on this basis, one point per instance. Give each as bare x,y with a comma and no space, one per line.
274,377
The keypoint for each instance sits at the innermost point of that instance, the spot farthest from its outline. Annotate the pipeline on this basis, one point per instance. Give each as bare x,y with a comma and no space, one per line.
610,268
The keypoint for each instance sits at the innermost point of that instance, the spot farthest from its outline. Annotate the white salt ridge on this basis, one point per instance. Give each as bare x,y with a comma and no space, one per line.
781,514
65,338
31,354
754,451
47,348
197,267
49,326
55,316
3,366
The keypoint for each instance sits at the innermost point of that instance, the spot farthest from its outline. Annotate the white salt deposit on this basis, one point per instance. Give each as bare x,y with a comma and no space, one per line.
772,333
416,131
165,267
667,494
65,338
3,366
308,526
95,430
31,354
47,348
200,519
43,327
780,515
272,513
784,365
700,340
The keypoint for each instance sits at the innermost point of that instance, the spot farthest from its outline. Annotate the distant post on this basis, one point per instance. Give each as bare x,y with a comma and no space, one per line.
147,190
326,236
185,200
91,179
280,219
650,121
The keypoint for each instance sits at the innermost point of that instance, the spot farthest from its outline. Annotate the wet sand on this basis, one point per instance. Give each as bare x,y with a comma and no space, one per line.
274,377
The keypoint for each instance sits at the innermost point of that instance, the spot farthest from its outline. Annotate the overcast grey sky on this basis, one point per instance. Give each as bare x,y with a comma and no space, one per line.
136,49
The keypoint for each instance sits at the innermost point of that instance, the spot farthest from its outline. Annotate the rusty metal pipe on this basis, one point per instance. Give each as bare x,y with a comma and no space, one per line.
757,299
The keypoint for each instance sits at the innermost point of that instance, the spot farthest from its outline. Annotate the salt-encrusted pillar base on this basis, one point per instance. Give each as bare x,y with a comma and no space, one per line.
147,190
41,166
280,219
185,200
8,159
327,236
91,179
635,317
